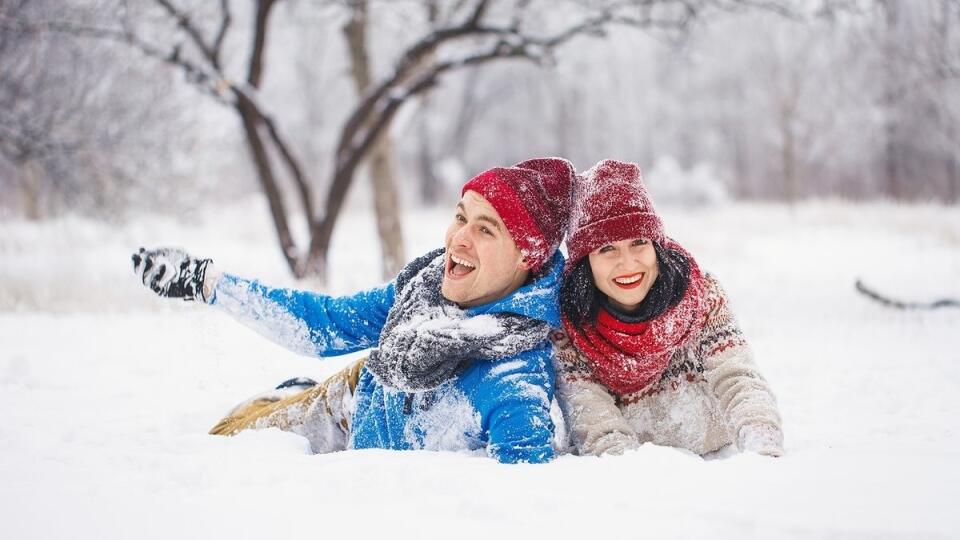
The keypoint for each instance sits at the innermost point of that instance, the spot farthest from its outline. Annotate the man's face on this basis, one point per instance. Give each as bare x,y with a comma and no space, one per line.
625,271
483,262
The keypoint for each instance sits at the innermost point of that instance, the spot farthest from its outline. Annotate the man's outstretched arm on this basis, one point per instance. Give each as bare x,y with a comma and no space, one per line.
305,322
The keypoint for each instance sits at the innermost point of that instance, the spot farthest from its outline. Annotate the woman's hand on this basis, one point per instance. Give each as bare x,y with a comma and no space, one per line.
614,443
762,439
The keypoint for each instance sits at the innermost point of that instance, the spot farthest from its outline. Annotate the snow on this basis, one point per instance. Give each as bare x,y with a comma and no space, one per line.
108,393
450,423
504,367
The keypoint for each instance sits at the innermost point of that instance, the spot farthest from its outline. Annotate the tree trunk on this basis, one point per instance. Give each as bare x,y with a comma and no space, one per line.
381,158
429,182
891,155
32,194
953,180
386,203
788,154
564,124
952,161
891,169
952,166
458,134
738,137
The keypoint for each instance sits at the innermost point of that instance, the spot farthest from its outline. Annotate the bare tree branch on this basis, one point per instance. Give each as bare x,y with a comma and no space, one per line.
225,21
184,22
357,136
408,63
210,81
255,72
293,166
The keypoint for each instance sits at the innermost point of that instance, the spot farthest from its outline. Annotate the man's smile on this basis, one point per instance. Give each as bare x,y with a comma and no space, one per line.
458,267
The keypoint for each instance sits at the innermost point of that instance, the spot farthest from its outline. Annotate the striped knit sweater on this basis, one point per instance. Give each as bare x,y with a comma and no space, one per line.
710,395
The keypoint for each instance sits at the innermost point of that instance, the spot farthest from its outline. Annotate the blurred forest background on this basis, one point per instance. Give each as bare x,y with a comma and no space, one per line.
109,108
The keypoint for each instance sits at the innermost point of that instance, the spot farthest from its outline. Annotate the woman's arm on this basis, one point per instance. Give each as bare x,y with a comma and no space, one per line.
746,400
594,421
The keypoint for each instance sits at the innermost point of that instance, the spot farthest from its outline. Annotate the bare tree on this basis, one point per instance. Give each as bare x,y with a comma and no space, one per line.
72,139
473,33
382,154
915,51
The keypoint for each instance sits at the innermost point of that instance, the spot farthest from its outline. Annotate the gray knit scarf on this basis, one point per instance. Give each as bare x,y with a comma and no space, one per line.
428,340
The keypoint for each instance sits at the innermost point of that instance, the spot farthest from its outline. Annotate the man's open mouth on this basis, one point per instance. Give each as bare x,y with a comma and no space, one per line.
457,267
629,281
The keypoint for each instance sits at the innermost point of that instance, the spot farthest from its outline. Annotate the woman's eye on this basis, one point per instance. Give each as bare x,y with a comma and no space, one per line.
640,242
605,249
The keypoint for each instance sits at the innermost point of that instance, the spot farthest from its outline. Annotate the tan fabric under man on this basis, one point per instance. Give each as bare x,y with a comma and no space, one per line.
320,413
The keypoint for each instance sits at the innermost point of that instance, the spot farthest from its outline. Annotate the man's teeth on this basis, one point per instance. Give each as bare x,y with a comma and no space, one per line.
460,261
628,280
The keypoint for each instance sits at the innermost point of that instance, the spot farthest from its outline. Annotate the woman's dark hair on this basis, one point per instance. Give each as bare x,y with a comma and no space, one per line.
580,299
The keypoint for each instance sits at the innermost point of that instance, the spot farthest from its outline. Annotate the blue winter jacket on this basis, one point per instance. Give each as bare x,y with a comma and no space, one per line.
502,406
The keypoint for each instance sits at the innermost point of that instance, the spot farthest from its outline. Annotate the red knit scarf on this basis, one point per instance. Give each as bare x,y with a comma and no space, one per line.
627,357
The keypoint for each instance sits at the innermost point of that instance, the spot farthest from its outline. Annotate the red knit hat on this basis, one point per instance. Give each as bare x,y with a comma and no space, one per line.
533,200
610,204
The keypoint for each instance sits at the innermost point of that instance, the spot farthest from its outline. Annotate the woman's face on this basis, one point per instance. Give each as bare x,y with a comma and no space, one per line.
625,271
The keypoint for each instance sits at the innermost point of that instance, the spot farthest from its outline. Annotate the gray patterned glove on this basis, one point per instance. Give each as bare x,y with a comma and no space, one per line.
171,273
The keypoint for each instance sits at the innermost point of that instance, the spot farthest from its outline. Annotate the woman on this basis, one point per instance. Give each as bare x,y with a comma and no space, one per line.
650,351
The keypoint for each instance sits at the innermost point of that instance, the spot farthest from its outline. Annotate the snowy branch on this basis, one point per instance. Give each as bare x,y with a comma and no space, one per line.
209,80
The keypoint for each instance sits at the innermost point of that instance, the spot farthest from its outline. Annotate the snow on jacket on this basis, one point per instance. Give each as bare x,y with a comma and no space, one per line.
502,406
711,394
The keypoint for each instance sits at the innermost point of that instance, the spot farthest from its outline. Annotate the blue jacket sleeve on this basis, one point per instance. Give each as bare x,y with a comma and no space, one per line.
515,408
306,322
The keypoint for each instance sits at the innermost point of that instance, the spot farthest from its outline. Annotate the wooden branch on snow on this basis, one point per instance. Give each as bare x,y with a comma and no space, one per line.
899,304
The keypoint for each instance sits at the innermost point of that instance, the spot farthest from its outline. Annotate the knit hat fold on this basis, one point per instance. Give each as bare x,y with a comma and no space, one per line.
610,203
533,200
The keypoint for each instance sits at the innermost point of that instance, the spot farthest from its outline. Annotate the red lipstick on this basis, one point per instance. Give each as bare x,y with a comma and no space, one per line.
633,285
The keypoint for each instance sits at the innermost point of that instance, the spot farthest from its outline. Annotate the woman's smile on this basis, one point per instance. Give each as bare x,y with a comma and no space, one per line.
629,281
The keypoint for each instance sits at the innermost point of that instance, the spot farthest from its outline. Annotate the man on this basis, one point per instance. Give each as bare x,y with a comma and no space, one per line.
462,359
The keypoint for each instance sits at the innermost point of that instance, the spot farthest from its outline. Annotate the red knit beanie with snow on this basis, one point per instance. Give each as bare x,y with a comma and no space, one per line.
610,203
533,200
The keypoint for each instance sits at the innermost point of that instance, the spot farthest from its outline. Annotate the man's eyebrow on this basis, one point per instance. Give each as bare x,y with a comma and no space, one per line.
490,220
482,217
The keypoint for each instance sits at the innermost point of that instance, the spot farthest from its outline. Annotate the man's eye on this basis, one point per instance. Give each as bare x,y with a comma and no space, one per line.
485,230
460,218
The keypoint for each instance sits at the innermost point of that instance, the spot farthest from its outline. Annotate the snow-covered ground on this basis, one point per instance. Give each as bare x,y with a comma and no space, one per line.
107,394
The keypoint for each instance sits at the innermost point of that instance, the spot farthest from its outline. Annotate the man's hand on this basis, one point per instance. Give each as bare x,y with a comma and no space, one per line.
171,273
